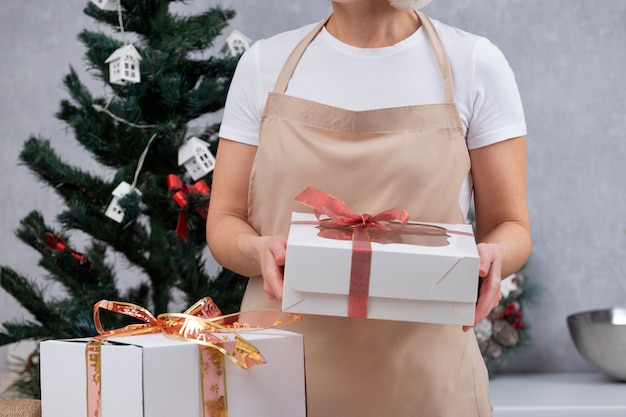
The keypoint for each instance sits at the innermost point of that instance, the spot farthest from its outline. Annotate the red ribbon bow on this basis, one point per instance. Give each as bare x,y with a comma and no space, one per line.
340,216
55,242
181,195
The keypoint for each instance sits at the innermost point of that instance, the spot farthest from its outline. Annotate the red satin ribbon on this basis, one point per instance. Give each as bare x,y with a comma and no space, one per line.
342,217
58,244
180,194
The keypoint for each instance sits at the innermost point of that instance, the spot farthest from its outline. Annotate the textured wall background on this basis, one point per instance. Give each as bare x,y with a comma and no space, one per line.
568,56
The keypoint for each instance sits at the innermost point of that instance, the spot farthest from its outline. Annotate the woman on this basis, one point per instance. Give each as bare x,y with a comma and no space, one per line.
377,105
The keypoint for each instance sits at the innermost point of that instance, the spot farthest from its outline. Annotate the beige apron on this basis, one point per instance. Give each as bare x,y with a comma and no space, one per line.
413,157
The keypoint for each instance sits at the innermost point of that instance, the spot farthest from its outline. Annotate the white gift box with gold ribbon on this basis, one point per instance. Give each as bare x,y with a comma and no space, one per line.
153,376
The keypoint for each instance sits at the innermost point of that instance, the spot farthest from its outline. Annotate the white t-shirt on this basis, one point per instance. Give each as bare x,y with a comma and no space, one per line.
337,74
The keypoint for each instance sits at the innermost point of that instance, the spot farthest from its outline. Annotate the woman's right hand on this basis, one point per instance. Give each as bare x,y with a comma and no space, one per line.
271,252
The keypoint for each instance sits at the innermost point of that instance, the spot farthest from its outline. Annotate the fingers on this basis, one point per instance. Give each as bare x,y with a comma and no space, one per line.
272,263
487,256
273,285
490,294
278,247
489,297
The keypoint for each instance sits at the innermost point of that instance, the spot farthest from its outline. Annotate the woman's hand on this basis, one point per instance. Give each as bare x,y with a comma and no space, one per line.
490,275
271,256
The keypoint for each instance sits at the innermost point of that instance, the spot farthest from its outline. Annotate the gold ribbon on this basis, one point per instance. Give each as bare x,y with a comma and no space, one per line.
200,323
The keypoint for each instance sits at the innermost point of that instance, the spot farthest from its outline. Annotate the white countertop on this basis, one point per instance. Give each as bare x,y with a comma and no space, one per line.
557,395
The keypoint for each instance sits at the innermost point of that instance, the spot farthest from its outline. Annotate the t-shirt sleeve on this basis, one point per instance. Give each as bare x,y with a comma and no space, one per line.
244,102
497,112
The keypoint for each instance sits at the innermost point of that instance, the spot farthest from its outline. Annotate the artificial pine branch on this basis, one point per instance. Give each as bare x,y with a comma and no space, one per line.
129,239
74,271
67,181
30,295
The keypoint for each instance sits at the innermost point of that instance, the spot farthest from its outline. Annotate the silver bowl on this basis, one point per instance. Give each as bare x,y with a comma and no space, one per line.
600,337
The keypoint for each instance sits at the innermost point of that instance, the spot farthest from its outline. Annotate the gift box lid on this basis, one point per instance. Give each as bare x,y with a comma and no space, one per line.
444,270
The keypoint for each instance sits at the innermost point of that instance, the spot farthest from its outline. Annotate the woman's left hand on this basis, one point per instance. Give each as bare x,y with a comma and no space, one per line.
490,275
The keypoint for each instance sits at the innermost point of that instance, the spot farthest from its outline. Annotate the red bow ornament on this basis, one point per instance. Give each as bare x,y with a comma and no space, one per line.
188,196
58,244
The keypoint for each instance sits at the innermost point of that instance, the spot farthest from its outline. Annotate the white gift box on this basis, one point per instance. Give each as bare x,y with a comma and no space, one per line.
153,376
408,282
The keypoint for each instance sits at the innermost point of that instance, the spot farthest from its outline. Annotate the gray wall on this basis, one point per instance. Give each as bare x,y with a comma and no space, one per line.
568,56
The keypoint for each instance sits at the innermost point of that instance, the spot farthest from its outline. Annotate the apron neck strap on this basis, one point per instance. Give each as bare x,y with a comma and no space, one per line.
440,54
292,61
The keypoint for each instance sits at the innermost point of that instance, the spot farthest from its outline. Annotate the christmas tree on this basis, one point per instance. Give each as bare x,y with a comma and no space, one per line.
149,207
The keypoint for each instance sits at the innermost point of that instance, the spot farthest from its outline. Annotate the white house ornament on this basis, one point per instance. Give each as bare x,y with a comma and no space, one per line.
124,66
106,4
508,285
115,211
196,157
236,43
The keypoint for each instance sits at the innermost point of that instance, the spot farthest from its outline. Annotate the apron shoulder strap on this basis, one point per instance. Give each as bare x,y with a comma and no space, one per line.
441,56
292,61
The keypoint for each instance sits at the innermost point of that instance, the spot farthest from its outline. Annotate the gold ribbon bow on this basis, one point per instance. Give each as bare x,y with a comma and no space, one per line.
200,324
